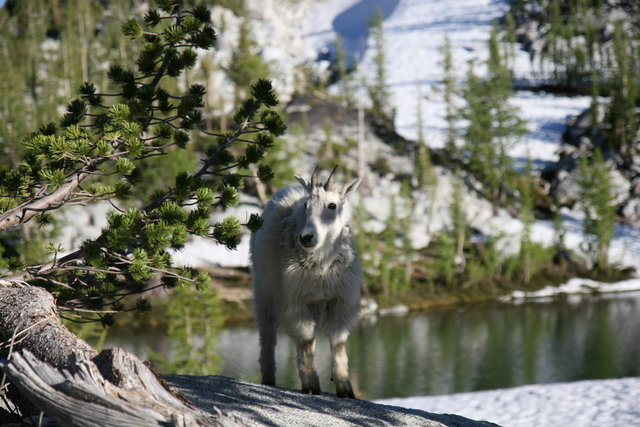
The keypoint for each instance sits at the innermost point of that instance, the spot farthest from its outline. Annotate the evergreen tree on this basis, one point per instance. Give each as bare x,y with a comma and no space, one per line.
379,91
53,47
493,123
341,62
100,136
527,217
592,18
366,243
451,244
449,92
511,41
406,251
459,226
559,231
195,319
478,135
622,119
388,250
598,207
13,108
576,37
331,152
342,75
246,65
506,124
425,174
444,267
554,40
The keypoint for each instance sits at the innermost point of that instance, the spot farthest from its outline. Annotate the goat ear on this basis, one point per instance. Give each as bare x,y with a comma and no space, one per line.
350,187
303,182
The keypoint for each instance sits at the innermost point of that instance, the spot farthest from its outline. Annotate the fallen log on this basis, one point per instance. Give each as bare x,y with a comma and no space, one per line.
81,396
29,319
62,376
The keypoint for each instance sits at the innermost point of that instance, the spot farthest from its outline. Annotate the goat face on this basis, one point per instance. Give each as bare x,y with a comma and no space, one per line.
324,213
324,218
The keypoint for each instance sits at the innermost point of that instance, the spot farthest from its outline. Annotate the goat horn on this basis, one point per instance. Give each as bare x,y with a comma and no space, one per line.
329,184
314,179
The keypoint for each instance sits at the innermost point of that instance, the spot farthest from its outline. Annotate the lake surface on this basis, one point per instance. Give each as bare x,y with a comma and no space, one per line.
478,347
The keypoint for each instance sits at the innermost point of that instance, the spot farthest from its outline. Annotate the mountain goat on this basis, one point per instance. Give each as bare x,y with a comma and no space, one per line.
307,277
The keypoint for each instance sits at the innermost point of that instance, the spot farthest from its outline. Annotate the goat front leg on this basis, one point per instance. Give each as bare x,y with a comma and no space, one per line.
306,350
268,327
267,355
340,369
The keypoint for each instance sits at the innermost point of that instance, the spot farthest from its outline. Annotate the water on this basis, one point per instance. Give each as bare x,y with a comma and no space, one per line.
478,347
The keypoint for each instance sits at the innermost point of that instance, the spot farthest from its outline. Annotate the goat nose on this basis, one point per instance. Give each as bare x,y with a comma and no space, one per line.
306,240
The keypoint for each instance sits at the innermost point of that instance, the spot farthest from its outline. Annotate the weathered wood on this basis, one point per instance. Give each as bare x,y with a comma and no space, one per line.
81,396
64,377
29,318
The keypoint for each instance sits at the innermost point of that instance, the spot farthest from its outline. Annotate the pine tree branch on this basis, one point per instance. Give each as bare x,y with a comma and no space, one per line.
58,198
39,271
54,200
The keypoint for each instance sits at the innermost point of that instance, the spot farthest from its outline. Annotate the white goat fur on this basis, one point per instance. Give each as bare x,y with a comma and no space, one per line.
307,277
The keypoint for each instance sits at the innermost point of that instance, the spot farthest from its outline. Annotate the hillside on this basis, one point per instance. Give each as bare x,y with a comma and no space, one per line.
406,209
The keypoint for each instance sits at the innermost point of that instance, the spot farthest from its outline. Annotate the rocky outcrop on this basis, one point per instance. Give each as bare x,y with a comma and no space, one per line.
580,139
259,405
275,27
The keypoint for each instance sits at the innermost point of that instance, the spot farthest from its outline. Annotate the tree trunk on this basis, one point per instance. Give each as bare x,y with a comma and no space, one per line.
29,319
62,376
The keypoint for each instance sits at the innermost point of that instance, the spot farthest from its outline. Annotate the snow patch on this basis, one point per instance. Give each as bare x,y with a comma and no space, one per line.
582,403
578,286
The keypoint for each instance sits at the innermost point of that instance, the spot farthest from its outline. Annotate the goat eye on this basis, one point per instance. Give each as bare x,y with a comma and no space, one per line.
332,206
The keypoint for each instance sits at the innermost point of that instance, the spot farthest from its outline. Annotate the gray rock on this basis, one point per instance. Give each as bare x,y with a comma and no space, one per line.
258,405
635,186
631,211
565,189
620,185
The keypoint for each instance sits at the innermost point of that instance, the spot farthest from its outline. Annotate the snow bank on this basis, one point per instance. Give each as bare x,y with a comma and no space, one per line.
577,286
202,253
582,403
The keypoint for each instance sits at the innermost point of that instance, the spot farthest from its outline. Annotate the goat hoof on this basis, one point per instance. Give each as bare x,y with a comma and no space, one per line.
345,390
345,394
268,380
312,390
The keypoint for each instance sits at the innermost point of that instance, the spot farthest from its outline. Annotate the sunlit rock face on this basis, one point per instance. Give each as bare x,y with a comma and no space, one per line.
275,28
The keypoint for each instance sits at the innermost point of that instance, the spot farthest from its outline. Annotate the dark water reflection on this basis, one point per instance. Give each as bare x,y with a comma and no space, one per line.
479,347
500,346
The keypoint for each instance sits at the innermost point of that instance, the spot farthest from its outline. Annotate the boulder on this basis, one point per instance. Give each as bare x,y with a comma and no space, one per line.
259,405
620,185
630,211
565,189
